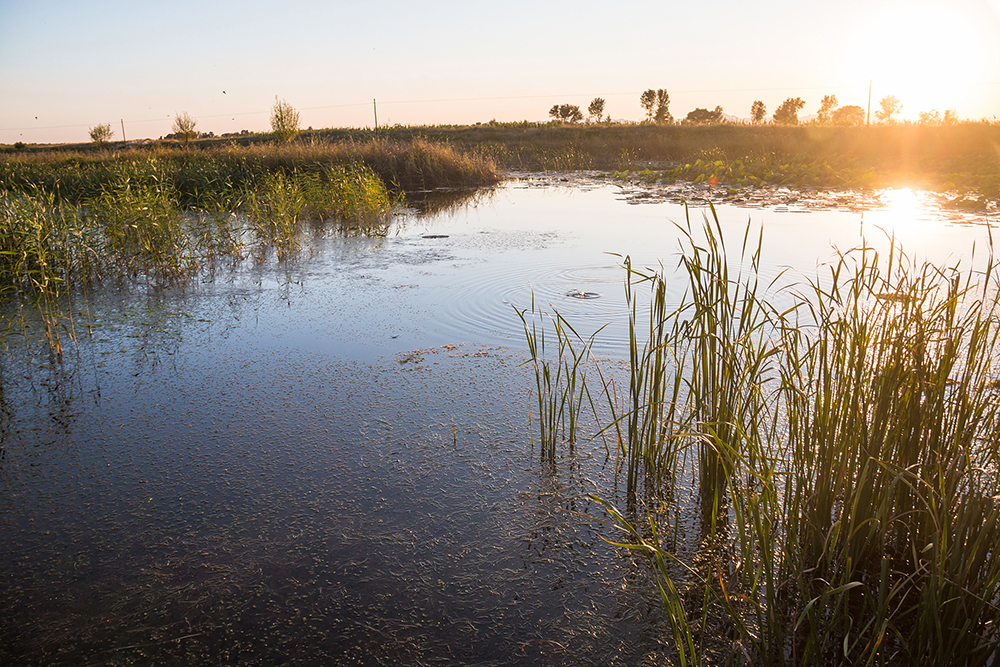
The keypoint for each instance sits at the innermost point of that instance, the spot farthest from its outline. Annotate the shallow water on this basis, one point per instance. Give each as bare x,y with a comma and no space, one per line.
330,460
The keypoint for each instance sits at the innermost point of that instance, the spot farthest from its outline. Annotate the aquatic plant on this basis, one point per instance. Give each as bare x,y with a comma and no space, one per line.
141,230
846,461
44,249
560,382
138,227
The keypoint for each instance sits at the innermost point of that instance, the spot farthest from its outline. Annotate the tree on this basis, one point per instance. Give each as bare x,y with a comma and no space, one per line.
788,112
101,134
931,117
758,112
849,115
704,117
663,116
566,112
648,102
950,117
184,127
284,120
826,108
890,106
596,108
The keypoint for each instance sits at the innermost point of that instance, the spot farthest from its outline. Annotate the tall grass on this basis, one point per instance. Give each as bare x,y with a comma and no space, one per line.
44,250
197,176
138,229
846,453
959,157
560,381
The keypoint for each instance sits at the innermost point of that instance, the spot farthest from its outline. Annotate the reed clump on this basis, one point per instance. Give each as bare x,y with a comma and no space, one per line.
560,380
845,451
140,228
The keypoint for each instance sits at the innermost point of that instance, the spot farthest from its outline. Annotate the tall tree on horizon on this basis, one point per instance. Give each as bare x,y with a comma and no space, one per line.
596,108
663,116
788,112
890,106
826,107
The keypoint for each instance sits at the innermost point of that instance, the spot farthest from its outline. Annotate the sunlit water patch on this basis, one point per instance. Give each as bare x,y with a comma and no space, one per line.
330,460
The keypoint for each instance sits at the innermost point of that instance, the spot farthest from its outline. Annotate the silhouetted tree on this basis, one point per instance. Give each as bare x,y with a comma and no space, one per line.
826,107
571,112
703,117
788,112
889,107
663,116
931,117
284,120
950,117
648,102
757,112
596,108
849,115
566,112
101,134
184,127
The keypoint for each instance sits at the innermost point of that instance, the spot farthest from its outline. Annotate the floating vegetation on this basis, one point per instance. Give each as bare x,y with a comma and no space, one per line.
844,452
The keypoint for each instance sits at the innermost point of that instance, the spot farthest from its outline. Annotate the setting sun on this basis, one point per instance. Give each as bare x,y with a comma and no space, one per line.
927,54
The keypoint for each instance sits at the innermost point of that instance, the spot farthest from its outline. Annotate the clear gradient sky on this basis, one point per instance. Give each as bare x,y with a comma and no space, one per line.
68,65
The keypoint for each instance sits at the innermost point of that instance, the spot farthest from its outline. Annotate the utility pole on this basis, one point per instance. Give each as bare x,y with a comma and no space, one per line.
868,119
375,109
124,140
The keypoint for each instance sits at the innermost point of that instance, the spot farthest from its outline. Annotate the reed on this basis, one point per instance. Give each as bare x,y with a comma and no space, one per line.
142,232
644,420
43,250
196,176
139,227
560,382
847,459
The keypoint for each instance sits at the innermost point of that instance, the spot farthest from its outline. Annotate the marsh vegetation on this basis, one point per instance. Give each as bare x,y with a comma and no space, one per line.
843,449
809,474
71,221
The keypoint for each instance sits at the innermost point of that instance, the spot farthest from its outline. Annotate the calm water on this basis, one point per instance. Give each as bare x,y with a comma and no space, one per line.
330,461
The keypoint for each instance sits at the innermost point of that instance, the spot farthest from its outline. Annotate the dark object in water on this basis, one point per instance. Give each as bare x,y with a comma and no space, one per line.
434,236
579,294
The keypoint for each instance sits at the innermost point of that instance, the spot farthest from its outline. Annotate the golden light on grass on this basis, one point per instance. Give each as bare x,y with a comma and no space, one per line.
929,55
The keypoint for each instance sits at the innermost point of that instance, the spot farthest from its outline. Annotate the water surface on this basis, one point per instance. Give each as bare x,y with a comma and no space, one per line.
330,460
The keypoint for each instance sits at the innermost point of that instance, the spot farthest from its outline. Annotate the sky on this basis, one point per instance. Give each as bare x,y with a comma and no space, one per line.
66,66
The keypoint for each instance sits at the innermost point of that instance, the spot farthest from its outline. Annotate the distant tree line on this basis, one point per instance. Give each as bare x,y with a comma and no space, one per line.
655,102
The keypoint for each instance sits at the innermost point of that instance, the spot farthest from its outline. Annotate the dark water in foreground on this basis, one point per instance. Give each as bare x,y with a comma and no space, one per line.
331,461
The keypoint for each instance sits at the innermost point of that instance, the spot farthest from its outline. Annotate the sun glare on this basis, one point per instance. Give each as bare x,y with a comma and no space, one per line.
928,55
903,214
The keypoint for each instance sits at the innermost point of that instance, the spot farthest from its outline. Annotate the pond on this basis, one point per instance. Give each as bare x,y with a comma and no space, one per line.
331,459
